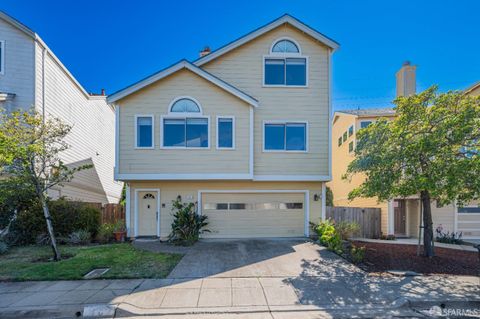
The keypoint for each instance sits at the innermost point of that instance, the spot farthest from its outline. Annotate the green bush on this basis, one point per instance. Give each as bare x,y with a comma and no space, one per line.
105,233
357,254
347,230
67,217
187,224
79,237
325,231
332,235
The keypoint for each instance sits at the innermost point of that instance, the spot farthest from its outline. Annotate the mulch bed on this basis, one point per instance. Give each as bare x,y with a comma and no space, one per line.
381,257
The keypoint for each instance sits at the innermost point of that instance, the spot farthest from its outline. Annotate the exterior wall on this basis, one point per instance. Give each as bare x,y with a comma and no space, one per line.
243,68
413,217
19,74
169,190
155,100
475,91
92,137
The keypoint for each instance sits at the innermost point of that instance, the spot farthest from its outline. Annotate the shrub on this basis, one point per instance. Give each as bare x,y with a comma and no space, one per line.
329,236
387,237
3,247
119,226
79,237
187,224
105,233
67,217
347,229
454,238
357,254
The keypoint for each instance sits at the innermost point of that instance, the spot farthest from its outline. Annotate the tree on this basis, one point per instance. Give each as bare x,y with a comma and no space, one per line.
430,149
329,196
30,148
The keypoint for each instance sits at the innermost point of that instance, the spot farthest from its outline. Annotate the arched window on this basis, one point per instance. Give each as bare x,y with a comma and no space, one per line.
285,46
185,105
148,196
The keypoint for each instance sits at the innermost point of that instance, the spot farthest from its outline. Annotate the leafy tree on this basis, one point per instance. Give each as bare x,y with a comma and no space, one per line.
30,148
429,150
329,196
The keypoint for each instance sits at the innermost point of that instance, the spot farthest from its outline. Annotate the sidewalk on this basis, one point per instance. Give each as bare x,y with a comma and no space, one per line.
414,241
267,297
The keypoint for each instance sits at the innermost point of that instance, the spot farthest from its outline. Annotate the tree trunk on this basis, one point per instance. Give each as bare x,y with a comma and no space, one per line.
427,224
48,219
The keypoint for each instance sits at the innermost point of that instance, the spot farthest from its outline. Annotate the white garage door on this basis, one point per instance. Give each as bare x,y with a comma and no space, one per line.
250,215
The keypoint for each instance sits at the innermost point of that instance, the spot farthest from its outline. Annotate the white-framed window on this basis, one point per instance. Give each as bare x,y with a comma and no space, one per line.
226,132
350,131
285,136
285,65
364,124
144,131
185,127
340,141
351,147
2,57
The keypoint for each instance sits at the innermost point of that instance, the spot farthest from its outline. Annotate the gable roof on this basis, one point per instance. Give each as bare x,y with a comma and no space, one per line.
370,112
32,34
286,18
472,87
183,64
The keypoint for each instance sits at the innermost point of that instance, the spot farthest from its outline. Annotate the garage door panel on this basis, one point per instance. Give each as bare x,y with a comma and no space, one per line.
265,215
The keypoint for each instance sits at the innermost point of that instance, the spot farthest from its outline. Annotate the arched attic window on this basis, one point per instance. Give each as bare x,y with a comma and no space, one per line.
285,66
185,105
285,46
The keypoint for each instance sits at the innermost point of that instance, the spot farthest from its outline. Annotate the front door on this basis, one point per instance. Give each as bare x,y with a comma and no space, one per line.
400,217
147,213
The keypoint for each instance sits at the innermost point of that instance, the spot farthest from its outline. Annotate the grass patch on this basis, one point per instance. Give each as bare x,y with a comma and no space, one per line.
124,261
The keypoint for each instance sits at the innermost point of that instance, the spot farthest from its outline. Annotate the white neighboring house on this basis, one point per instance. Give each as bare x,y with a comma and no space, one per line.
32,76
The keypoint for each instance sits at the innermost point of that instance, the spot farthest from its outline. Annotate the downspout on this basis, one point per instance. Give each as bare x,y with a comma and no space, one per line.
43,83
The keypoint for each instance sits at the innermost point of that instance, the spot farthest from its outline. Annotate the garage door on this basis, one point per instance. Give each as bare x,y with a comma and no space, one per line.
254,215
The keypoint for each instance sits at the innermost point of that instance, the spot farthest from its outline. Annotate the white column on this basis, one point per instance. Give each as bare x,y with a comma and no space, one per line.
324,201
307,214
127,208
391,219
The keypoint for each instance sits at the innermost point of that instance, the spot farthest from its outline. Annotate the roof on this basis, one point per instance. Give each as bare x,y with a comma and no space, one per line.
29,32
473,87
286,18
369,112
183,64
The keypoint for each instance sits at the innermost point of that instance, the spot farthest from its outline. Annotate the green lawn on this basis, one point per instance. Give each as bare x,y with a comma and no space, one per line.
124,261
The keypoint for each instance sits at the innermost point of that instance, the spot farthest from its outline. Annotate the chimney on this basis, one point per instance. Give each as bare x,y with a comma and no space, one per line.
103,92
206,50
406,80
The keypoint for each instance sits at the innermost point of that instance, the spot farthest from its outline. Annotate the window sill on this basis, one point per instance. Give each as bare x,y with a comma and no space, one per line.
285,86
144,148
283,151
183,148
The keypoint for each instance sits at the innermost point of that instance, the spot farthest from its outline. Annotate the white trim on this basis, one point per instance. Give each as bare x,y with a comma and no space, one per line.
278,22
137,190
330,109
127,209
469,214
251,141
2,57
284,57
306,205
285,122
178,117
186,97
218,134
324,202
200,176
364,121
470,222
136,129
455,217
194,176
292,178
391,218
177,67
117,139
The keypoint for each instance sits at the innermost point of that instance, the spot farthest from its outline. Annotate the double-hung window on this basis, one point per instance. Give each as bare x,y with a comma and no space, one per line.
364,124
290,136
185,127
285,66
144,131
225,132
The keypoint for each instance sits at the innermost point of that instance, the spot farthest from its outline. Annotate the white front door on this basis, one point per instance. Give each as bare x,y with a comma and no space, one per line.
147,213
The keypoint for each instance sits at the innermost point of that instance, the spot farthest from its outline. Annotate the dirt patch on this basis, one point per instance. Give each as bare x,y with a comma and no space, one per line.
381,257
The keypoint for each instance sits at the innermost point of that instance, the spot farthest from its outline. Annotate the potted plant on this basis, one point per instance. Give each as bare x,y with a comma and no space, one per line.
119,231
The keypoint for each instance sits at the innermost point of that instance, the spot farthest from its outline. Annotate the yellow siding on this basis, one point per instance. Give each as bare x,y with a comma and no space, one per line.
189,191
155,100
243,68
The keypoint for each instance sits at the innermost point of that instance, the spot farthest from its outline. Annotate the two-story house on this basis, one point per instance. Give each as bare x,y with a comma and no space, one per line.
402,216
243,131
31,76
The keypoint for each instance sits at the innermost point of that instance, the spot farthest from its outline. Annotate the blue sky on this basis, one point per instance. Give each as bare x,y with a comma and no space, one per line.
111,44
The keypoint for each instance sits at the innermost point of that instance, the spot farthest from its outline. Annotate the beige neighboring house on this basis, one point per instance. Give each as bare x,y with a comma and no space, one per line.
400,217
32,76
243,131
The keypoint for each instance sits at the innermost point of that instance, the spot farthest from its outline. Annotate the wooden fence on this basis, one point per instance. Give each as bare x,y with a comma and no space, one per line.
110,213
369,219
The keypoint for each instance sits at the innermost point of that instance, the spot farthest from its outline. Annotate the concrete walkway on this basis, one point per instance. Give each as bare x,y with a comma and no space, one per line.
312,283
414,241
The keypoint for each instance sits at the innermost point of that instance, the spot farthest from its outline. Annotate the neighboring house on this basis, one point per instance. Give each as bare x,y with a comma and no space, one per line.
400,217
243,131
32,76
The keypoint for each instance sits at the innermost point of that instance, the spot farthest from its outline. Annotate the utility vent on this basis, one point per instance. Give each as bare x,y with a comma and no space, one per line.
96,273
